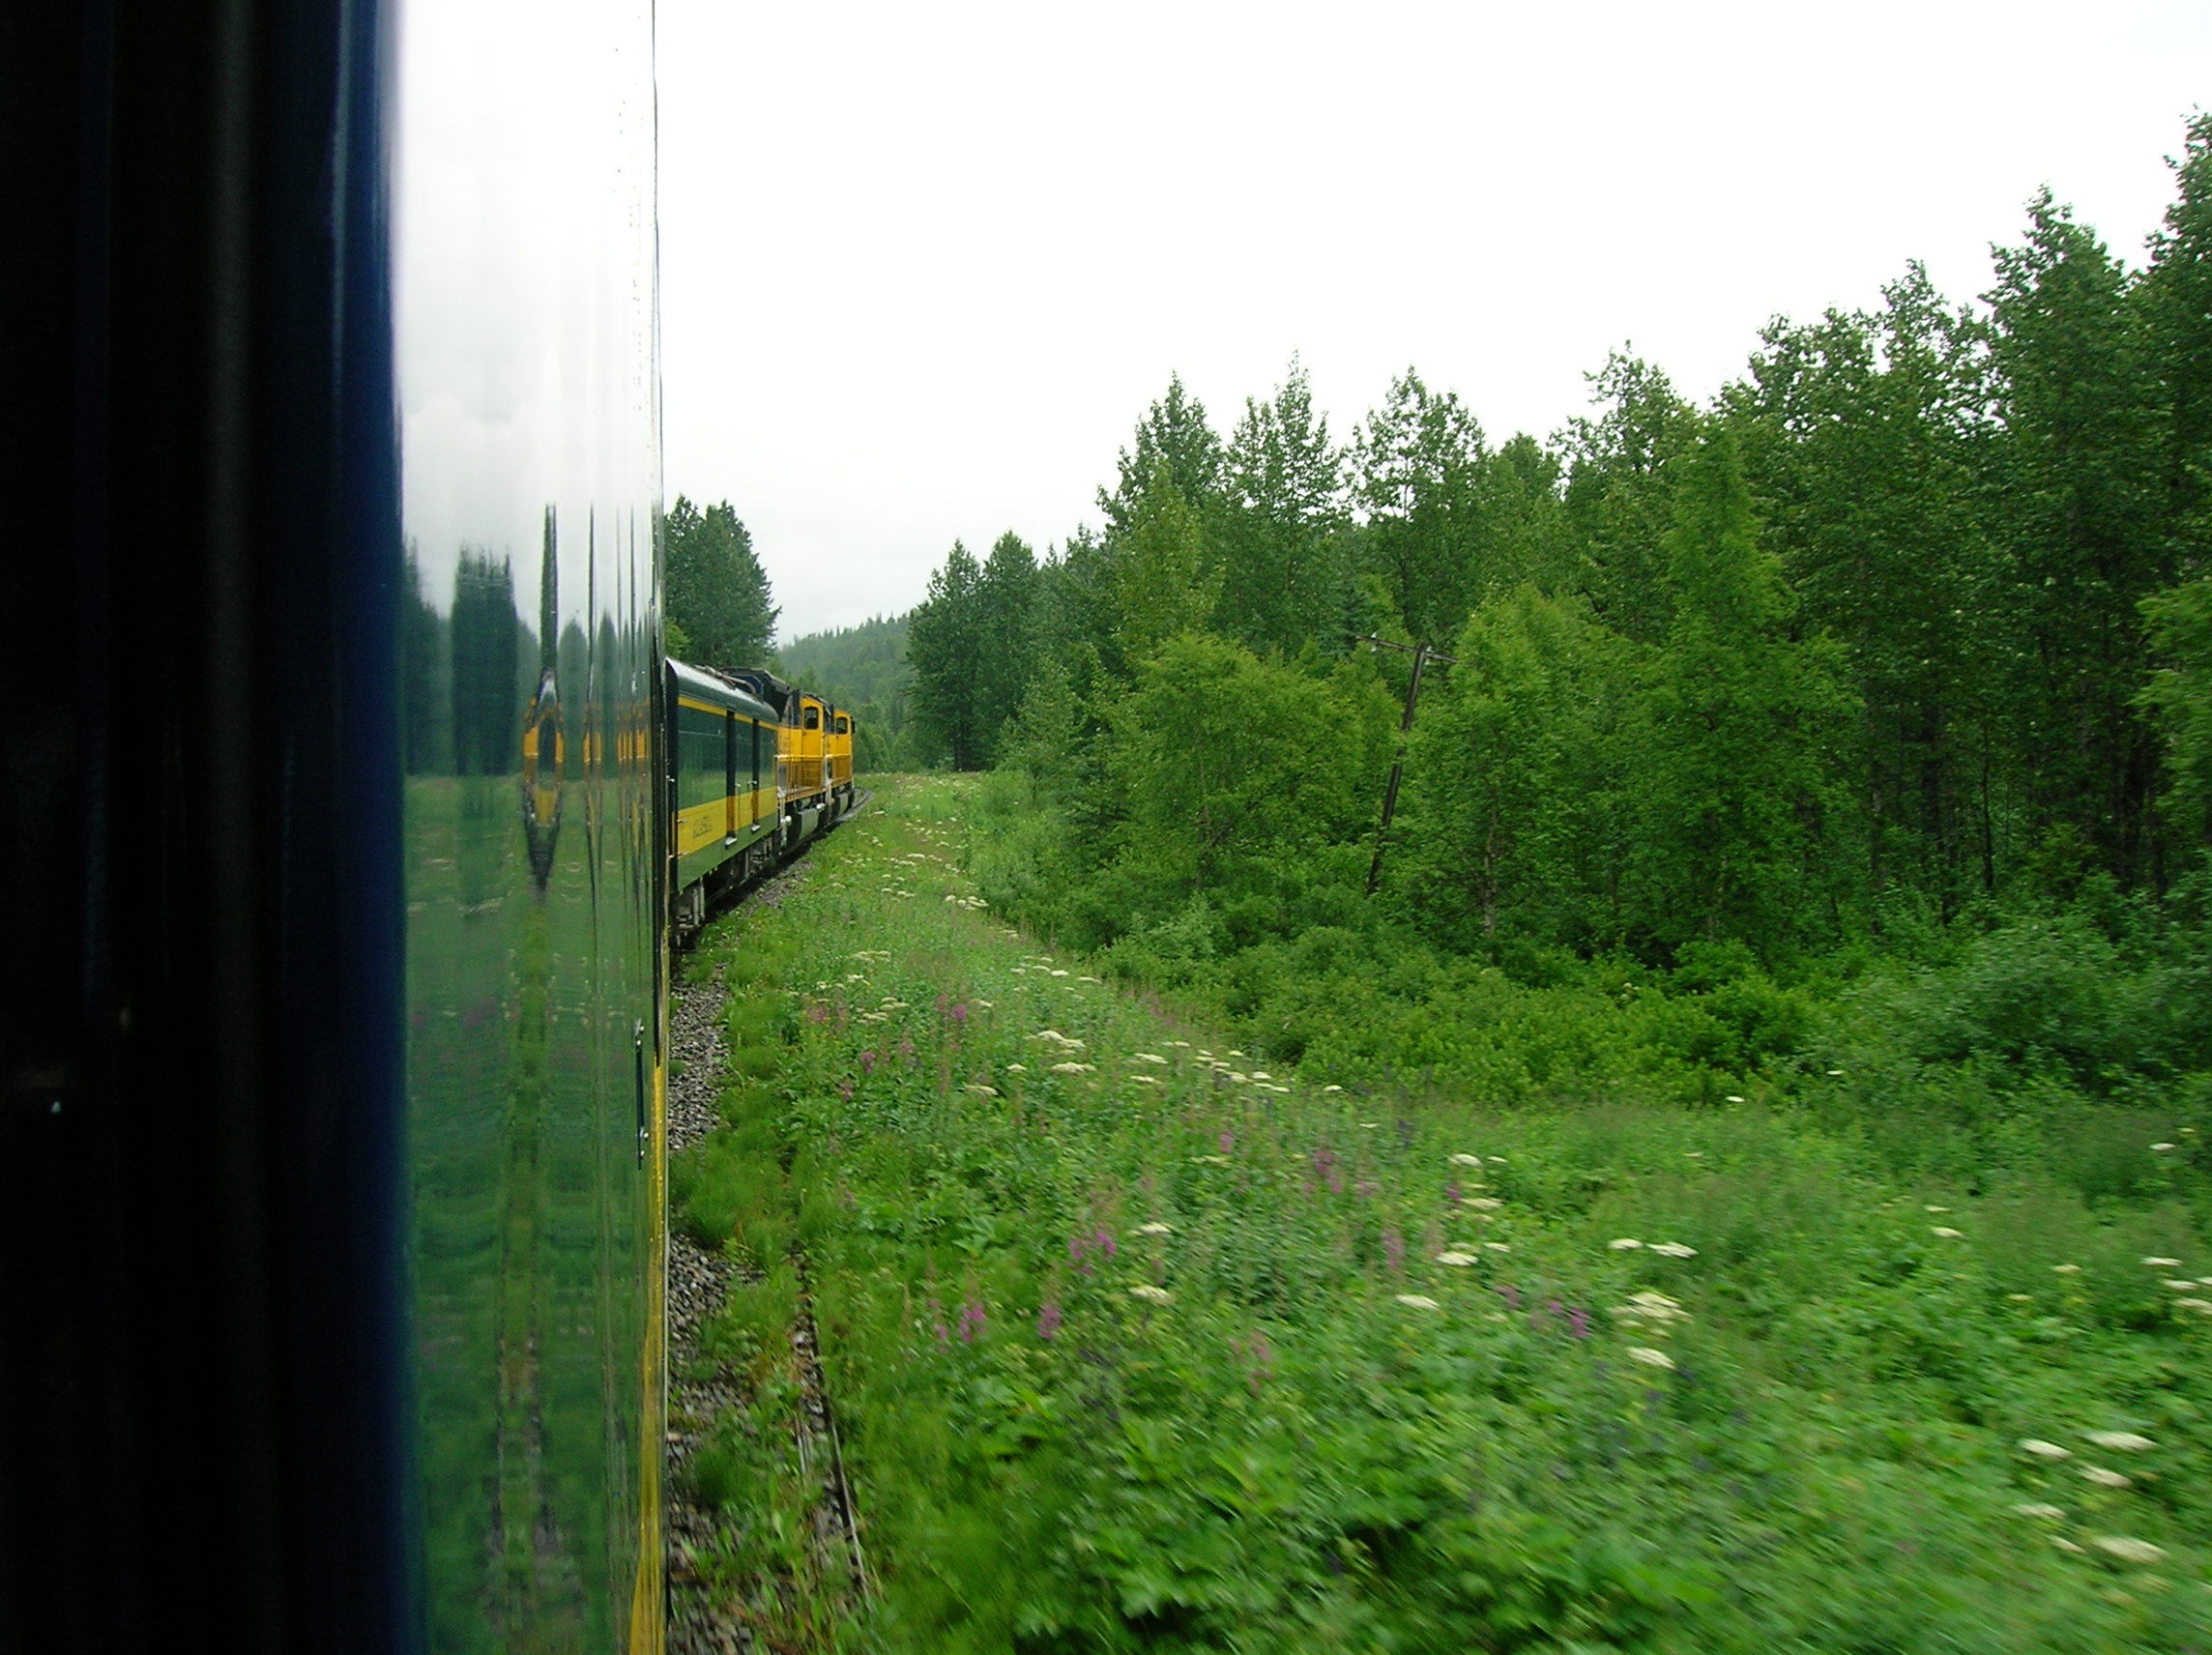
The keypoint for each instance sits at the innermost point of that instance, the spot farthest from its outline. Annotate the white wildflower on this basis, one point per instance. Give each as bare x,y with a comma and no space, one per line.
1146,1058
1935,1210
1624,1244
2126,1550
2043,1450
1496,1160
1101,981
1498,1246
1457,1260
1072,1069
2038,1508
1464,1160
1017,1068
987,1004
1234,1053
1284,1089
982,1091
2182,1287
1152,1294
2067,1269
1332,1089
1060,974
1185,1044
2202,1306
2124,1441
1481,1202
2105,1479
1832,1073
1733,1098
2161,1147
1211,1160
2063,1544
1155,1228
1261,1075
1946,1231
1673,1250
2158,1264
1418,1301
1235,1076
1650,1357
1145,1079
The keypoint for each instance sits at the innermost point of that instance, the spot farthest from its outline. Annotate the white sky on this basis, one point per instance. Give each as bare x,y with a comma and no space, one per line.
924,266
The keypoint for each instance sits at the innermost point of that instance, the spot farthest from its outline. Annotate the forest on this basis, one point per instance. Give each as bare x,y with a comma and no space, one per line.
1729,1172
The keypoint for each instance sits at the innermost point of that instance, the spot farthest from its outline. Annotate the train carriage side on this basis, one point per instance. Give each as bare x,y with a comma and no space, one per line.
722,757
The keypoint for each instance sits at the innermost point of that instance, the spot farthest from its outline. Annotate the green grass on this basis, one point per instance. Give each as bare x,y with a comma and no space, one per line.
1281,1422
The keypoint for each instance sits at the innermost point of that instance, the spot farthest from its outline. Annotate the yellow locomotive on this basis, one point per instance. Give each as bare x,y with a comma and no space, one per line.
757,766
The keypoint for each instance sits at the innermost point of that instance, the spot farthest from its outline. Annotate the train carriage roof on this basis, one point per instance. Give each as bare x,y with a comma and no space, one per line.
700,683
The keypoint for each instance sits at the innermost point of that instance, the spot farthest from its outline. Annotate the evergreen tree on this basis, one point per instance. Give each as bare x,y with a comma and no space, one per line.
2176,295
1159,581
716,592
1006,626
944,637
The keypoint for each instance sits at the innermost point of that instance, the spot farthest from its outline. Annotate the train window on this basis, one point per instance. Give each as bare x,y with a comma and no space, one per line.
756,752
844,725
729,752
813,718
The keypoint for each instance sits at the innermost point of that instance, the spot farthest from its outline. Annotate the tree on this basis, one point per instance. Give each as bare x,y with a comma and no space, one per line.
2176,295
1282,580
945,638
1174,436
1006,602
1740,832
2076,466
1618,503
717,594
1866,439
1160,580
1417,466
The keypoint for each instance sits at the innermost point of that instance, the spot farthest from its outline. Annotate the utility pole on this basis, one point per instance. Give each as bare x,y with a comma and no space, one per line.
1423,655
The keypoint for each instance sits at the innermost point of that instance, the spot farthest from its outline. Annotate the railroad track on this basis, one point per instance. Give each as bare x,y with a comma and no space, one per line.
700,1621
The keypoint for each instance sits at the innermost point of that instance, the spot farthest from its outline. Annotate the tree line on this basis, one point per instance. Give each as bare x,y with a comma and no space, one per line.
1912,616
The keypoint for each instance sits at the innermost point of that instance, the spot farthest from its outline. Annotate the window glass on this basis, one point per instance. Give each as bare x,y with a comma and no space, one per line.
814,717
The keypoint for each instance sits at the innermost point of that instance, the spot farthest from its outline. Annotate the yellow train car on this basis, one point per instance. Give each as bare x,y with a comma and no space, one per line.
727,821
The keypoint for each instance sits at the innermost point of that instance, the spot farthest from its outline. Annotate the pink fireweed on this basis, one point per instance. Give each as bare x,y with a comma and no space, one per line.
1048,1318
972,1321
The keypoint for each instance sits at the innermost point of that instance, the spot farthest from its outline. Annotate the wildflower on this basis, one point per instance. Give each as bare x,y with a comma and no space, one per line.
1104,1237
2202,1306
2126,1441
1464,1160
1332,1089
971,1322
867,1062
1394,1249
1212,1160
1145,1079
1733,1098
1234,1053
1060,974
1073,1068
1498,1246
2158,1264
958,1012
1228,1142
1146,1058
1695,1154
2182,1287
2037,1508
1458,1261
2128,1551
1417,1301
1152,1294
1935,1210
1048,1319
1235,1076
1497,1160
1369,1125
1100,980
2063,1544
1481,1202
1624,1244
1155,1228
1673,1250
1017,1068
2161,1147
1261,1075
2105,1479
1946,1231
987,1004
2067,1269
1650,1357
1832,1073
982,1091
1185,1044
2043,1450
1577,1321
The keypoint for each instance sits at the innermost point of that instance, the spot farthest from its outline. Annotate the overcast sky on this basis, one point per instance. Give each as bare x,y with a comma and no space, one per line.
923,266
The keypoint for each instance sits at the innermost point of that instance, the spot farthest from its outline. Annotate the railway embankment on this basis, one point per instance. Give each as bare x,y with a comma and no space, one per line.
1132,1338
